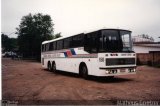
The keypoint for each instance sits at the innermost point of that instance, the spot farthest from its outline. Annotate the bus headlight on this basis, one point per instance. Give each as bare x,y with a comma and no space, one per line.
131,70
107,71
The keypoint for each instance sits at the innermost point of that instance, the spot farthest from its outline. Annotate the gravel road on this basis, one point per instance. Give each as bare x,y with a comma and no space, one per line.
28,83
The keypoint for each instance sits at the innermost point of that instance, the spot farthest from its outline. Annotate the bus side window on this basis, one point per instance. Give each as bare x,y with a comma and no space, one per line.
78,40
42,48
94,43
100,39
47,47
51,46
87,46
54,45
59,44
67,43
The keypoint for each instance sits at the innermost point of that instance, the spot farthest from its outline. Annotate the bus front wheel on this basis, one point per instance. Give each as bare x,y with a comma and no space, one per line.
83,71
54,67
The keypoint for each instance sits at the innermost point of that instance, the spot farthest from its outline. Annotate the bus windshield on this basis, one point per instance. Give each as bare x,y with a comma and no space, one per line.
115,41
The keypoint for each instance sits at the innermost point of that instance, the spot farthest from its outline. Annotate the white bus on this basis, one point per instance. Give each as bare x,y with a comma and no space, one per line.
105,52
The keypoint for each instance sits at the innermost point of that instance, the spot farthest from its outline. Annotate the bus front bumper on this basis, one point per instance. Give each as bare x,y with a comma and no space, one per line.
117,71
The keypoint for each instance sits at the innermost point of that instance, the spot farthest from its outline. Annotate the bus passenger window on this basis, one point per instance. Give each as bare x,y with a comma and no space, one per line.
42,48
54,45
51,46
87,43
59,44
67,43
78,40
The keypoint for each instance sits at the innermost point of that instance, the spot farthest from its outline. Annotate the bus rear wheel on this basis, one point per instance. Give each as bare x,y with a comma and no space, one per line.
49,66
54,67
84,71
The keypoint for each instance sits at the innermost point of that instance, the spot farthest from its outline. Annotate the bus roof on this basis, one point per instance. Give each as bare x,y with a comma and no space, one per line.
48,41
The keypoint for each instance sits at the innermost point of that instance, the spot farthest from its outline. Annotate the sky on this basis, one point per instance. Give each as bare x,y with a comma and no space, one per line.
77,16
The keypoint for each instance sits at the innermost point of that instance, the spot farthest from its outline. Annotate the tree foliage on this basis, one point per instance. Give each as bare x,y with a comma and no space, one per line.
8,44
57,35
32,31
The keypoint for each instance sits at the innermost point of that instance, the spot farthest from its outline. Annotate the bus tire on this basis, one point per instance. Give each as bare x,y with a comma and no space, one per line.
54,67
49,67
83,71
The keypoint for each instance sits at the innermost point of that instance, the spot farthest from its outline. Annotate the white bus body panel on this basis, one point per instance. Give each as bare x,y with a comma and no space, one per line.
71,63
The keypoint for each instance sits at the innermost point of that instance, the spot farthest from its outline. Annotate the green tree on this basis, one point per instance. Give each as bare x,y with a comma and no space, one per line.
57,35
13,44
5,42
32,31
8,44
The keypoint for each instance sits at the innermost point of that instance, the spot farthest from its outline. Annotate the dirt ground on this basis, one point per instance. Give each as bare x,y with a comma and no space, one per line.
28,82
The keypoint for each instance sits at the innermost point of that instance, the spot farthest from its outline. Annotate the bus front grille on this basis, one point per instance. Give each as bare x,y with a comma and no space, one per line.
120,61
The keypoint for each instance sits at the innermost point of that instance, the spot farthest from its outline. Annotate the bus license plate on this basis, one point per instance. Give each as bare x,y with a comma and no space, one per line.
122,70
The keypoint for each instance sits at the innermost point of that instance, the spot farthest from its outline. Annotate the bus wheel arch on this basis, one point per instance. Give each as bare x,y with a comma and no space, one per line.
83,70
